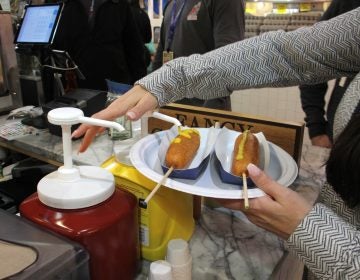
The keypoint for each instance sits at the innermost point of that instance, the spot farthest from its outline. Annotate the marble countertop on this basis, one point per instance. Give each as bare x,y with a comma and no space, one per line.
225,245
48,147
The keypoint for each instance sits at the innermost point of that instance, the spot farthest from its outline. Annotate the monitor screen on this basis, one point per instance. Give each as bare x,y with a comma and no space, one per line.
39,24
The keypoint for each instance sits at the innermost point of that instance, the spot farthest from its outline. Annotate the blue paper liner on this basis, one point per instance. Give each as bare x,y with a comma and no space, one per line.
192,173
229,178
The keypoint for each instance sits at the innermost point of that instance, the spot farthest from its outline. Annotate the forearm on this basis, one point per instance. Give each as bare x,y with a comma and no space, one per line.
157,63
313,105
327,245
274,59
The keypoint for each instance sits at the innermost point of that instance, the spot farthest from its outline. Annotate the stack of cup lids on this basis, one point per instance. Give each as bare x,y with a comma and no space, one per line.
160,270
178,255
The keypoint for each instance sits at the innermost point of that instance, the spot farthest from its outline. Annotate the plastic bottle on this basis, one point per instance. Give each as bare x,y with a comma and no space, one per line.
109,231
83,204
169,214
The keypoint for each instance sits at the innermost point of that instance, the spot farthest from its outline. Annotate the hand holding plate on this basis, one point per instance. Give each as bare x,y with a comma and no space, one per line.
280,211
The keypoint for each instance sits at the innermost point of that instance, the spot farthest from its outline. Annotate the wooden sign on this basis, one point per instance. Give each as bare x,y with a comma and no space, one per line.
285,134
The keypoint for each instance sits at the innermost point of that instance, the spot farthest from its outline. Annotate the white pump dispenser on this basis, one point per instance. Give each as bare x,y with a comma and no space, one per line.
74,187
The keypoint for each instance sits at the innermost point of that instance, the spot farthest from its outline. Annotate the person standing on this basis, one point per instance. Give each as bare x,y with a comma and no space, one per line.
313,96
324,236
143,24
102,38
199,26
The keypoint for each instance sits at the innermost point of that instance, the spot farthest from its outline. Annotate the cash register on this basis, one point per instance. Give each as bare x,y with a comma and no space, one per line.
35,36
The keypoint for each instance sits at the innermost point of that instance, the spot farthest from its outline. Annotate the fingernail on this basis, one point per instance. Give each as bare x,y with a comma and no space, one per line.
131,115
253,170
74,134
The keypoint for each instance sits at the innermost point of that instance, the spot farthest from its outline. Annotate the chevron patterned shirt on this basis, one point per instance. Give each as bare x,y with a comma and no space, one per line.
327,50
328,239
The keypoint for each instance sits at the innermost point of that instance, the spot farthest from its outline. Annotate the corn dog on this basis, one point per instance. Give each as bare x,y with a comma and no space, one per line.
246,150
183,148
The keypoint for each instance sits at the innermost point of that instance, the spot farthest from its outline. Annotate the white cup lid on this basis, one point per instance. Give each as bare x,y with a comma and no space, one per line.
160,270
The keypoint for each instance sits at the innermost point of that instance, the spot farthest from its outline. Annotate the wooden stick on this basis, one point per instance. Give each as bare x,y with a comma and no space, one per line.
158,185
245,192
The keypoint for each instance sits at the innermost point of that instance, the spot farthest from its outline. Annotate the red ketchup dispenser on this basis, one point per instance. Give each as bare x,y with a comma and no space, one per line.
82,203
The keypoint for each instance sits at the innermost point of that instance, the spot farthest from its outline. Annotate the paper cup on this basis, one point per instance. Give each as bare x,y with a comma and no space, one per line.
178,252
183,271
160,270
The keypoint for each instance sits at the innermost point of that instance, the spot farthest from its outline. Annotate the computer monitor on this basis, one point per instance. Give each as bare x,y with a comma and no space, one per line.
38,25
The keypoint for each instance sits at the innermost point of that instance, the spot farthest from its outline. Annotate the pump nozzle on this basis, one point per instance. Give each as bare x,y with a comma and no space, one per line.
157,115
72,187
68,116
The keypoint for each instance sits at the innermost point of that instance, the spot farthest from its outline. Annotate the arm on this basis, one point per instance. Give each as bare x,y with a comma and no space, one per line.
313,96
313,103
146,27
157,63
269,60
134,103
228,17
327,245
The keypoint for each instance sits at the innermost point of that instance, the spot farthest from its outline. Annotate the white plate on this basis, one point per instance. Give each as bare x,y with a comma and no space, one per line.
144,157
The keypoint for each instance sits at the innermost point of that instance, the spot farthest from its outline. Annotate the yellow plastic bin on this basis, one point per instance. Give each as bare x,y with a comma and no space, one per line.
169,213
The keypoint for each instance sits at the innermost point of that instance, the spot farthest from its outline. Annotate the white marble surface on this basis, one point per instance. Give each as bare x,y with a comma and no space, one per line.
225,245
49,146
312,171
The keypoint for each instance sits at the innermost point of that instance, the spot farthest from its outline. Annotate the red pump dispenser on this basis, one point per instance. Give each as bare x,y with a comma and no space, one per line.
82,203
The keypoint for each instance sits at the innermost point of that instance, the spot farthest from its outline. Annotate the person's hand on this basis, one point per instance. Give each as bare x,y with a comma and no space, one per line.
321,141
134,104
280,211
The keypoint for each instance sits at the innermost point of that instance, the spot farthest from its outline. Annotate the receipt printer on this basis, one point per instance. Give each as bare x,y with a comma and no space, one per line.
88,100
